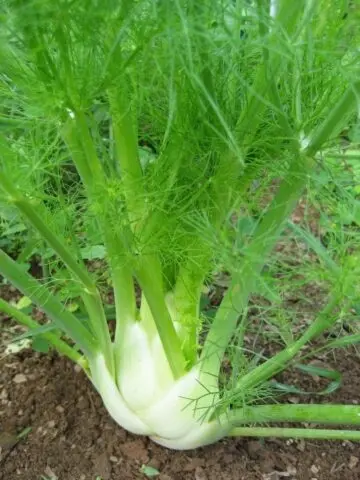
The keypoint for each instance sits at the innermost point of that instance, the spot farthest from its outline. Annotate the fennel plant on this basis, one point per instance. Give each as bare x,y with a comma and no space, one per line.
172,118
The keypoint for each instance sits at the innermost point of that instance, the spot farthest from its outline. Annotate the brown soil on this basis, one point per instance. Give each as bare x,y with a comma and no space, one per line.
73,438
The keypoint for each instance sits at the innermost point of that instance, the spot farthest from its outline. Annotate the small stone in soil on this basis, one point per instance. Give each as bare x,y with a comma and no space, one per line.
314,469
301,445
353,462
3,395
291,470
19,378
49,472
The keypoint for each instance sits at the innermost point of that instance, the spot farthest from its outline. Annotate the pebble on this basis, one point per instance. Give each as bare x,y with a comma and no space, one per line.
301,445
19,378
353,462
294,399
59,409
50,473
291,470
314,469
83,403
113,459
51,424
3,395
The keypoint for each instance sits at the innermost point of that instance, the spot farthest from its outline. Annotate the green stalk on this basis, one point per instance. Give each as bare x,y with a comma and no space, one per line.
123,288
335,119
309,413
187,289
125,301
59,345
84,155
224,183
89,149
244,281
81,145
71,138
305,433
149,274
90,294
187,305
126,147
49,303
150,280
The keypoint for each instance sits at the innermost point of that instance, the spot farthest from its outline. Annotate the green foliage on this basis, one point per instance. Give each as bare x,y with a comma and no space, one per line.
172,141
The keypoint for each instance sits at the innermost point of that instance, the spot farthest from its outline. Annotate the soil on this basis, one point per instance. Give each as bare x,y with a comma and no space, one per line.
73,438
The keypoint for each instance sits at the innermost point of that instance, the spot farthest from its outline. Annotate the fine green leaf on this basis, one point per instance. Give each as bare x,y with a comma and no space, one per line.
332,375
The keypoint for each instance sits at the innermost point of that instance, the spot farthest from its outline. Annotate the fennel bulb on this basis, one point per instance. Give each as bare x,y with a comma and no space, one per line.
145,399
